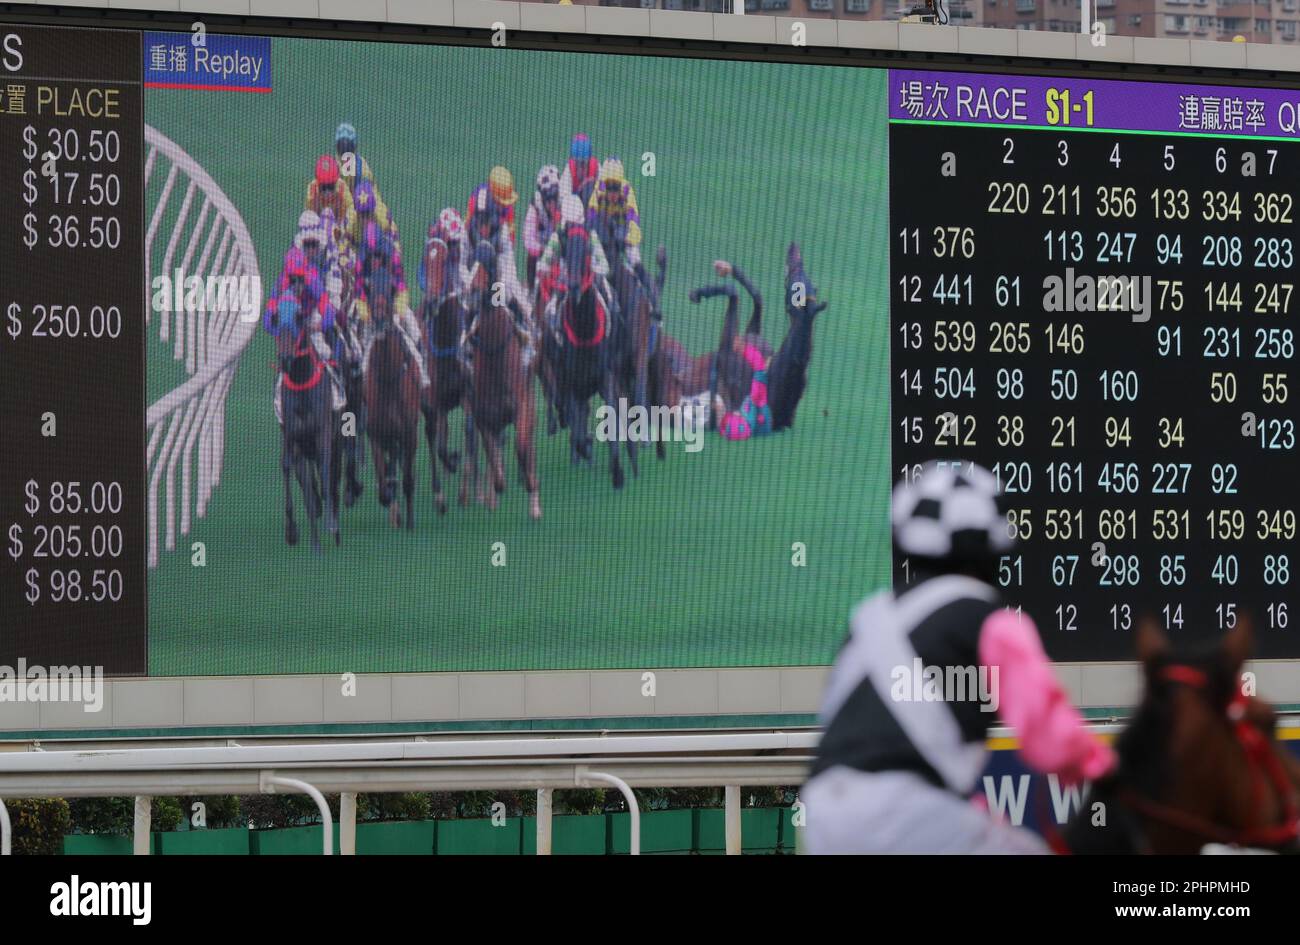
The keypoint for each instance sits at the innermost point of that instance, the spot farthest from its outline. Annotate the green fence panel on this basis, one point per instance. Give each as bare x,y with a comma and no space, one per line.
477,837
662,831
403,838
760,829
94,844
571,835
289,841
789,832
228,841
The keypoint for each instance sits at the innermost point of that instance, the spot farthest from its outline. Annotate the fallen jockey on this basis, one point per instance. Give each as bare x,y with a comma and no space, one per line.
754,418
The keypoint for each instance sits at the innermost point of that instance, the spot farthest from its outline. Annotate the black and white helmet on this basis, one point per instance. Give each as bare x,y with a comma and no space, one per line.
951,513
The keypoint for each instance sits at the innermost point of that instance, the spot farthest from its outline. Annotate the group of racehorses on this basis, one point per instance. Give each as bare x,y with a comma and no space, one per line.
607,341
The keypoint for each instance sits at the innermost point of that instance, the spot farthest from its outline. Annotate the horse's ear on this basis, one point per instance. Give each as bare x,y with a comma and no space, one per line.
1239,642
1152,644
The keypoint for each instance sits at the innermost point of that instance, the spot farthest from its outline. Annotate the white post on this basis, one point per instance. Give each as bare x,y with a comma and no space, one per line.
347,824
582,776
1085,16
143,824
6,844
544,822
270,782
732,818
738,7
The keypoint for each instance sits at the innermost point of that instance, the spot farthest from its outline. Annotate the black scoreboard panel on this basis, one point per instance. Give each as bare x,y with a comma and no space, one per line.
71,342
1106,321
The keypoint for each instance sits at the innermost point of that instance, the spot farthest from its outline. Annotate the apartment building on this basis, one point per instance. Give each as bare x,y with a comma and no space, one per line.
960,12
1267,21
1257,21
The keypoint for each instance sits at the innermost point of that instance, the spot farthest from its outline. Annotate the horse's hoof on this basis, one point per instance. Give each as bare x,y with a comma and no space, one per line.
338,539
618,479
441,505
535,508
291,533
452,462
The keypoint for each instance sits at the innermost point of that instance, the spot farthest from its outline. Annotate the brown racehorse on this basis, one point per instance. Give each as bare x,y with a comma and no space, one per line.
1198,764
443,318
392,386
349,328
501,394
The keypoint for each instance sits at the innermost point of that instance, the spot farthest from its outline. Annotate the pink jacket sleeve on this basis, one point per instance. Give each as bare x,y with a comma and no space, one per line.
1030,700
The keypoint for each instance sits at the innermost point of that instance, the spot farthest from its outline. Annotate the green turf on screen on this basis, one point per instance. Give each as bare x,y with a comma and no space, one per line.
691,564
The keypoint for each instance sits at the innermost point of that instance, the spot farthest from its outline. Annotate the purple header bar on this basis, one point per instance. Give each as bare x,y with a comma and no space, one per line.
1110,104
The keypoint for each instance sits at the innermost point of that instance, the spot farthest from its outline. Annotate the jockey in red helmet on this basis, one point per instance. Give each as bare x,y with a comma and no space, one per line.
327,192
301,283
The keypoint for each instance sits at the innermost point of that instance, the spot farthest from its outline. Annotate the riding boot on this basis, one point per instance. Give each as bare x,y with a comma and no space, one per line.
326,354
410,339
643,277
525,332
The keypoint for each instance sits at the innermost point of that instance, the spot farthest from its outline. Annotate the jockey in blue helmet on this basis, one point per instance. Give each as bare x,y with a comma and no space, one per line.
581,171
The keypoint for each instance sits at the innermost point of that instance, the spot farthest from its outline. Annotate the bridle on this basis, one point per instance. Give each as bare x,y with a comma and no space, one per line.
1265,768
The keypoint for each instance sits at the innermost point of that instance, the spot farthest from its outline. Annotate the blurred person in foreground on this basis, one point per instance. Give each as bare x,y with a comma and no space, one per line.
923,674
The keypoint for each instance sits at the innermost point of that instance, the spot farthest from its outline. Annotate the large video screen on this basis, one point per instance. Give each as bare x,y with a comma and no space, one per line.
323,355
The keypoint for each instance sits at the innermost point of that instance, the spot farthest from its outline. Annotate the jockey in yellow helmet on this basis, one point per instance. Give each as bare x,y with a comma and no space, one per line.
612,213
490,220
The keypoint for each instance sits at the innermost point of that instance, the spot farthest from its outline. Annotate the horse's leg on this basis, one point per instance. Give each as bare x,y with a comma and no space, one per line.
546,376
470,472
608,391
658,397
329,480
450,460
569,406
410,440
432,434
350,443
286,466
633,443
525,450
381,471
310,496
336,472
492,447
499,472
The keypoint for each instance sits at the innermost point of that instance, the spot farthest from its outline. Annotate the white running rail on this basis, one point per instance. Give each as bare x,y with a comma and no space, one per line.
205,237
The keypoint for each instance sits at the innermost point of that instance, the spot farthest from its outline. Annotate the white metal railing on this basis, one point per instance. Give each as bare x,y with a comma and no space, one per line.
544,764
187,425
